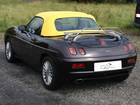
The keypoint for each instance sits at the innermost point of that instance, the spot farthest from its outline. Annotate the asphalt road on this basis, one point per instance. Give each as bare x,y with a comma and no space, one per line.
21,85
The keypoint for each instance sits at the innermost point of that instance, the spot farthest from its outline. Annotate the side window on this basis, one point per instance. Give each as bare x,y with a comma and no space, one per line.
35,25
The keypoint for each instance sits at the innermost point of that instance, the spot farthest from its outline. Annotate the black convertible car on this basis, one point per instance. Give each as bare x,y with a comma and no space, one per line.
70,45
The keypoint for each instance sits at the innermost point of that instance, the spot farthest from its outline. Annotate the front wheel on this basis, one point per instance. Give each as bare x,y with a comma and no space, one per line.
50,74
9,54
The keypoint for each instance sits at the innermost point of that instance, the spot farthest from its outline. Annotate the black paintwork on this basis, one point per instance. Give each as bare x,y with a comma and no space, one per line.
33,48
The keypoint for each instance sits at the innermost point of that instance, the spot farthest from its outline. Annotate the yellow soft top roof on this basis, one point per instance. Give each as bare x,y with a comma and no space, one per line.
61,14
49,28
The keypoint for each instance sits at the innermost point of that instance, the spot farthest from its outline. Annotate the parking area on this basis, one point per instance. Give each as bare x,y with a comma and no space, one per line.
21,85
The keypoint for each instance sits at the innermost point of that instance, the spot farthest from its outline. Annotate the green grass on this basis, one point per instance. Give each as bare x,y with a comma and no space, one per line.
16,12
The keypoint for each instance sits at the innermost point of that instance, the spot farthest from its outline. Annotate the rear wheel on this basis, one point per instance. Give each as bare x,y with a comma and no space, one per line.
50,75
9,54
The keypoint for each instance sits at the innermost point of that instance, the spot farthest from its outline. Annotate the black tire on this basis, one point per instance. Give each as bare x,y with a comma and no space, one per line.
55,81
9,53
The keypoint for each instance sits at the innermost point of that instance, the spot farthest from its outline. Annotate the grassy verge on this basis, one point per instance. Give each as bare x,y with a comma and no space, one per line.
1,35
14,12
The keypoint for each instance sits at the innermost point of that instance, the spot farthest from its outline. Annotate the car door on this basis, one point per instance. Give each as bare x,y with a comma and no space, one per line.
34,50
23,43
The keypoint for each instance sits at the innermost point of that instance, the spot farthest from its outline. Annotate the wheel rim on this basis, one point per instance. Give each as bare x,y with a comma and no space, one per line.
8,50
47,72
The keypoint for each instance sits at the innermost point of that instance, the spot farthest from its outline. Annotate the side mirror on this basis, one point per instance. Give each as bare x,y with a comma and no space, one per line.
22,28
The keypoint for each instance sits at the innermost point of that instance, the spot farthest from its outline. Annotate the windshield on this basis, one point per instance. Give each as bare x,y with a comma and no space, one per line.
75,23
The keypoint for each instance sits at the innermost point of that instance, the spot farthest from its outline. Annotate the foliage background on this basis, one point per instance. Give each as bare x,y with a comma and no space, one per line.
16,12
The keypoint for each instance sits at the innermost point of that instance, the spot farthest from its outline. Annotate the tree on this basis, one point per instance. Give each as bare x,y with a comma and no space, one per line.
85,1
99,1
130,1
